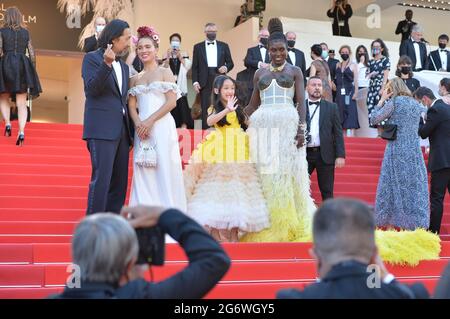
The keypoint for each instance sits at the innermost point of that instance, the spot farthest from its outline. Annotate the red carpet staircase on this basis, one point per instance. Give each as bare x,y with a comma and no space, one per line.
43,189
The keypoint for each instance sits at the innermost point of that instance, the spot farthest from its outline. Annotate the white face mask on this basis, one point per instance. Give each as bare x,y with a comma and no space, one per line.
99,28
175,44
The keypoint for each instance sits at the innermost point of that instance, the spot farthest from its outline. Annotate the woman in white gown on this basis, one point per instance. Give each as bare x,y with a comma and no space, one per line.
152,96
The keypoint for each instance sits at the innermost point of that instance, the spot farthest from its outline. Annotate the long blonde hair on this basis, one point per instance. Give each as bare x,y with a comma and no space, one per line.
13,19
399,88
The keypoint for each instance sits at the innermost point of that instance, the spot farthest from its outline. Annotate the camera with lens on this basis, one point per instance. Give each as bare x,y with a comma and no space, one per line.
151,246
338,2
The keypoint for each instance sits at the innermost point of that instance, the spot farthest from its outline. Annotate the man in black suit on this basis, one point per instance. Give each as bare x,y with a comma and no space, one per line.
405,26
332,62
210,58
347,258
416,49
114,275
257,57
439,60
295,56
325,148
90,44
107,128
437,129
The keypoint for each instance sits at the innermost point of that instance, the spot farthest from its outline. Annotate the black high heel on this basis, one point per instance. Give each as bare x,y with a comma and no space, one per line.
20,140
8,130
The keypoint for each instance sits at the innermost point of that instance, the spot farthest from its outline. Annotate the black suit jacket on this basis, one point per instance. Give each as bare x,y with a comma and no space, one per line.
407,34
436,57
90,44
208,263
330,131
348,280
407,48
299,60
103,112
200,62
437,129
332,64
252,59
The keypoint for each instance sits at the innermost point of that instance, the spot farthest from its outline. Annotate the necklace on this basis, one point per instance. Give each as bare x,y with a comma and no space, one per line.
277,69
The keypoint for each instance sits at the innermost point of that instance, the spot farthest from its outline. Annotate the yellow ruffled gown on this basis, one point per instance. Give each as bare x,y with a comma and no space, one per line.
222,186
286,184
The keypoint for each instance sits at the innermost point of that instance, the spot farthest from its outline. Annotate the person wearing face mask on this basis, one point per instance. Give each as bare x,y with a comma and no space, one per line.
439,60
257,57
90,44
347,91
179,63
295,56
404,71
329,58
378,74
210,58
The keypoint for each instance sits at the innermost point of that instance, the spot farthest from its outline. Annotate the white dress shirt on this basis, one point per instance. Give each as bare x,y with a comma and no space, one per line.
263,51
314,127
418,58
292,56
443,55
118,69
211,54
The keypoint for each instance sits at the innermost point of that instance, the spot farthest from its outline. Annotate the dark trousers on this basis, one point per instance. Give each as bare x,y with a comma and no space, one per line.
205,94
325,172
109,180
440,183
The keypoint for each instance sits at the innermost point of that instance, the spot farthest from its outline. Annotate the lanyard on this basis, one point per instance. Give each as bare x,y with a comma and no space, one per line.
310,118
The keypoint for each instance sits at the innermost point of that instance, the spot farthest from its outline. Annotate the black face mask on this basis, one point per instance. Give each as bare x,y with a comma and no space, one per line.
264,41
345,56
291,43
211,36
405,70
442,45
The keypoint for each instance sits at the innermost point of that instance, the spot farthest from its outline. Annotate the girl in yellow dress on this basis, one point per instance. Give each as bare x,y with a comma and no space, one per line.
222,187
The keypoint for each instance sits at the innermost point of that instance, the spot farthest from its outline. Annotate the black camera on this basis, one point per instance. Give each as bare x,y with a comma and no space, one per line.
152,245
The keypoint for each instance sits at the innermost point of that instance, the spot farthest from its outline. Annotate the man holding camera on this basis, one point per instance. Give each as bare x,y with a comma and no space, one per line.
404,27
325,149
106,249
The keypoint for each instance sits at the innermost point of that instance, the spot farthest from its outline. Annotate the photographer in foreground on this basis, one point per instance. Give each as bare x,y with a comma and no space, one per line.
105,247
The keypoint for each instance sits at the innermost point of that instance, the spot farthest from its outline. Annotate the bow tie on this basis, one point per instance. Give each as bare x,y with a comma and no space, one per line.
262,46
443,50
212,43
291,49
313,103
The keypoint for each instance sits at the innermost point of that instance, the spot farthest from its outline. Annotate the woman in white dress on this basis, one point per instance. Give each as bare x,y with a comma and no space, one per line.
158,175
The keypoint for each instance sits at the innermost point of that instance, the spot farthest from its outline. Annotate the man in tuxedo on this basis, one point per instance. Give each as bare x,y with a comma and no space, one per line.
325,148
90,44
437,128
405,26
295,56
347,258
210,58
439,60
416,49
105,248
257,57
107,128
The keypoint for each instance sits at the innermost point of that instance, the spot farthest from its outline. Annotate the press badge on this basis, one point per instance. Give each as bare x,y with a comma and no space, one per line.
343,91
341,23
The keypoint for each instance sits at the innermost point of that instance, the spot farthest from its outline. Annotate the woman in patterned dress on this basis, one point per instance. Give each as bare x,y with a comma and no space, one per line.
379,68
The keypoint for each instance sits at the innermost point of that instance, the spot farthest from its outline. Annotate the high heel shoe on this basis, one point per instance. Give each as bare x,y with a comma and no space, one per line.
20,140
8,130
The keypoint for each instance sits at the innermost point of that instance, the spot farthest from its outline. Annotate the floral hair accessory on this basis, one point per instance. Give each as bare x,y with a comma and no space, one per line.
150,32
